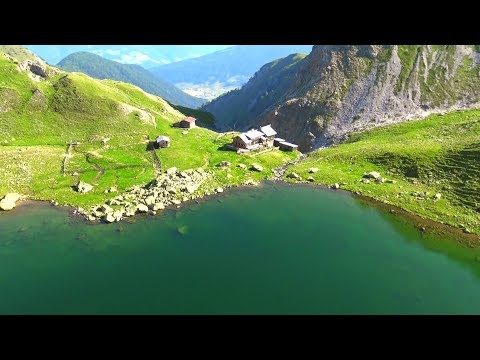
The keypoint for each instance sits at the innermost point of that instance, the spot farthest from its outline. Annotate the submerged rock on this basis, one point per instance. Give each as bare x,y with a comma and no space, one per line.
182,230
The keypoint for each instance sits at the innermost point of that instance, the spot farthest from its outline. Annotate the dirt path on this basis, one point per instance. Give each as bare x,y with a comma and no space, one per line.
66,157
100,170
280,171
157,163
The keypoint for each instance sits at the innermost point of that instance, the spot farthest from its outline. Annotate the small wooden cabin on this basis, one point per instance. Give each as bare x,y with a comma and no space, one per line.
187,123
163,141
286,146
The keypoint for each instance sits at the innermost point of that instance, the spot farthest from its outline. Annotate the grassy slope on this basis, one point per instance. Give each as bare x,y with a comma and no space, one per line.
441,154
101,68
79,108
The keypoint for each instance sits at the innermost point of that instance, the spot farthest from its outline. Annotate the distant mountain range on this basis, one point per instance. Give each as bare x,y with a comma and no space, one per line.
215,73
145,55
101,68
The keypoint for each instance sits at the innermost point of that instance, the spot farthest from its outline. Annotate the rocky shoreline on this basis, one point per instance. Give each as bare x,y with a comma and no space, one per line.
169,189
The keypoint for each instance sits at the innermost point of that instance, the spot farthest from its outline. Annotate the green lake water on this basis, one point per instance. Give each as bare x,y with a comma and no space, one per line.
279,249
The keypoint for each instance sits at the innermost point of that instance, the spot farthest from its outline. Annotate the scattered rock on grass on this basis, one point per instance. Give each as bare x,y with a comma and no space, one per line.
293,175
372,175
256,167
83,187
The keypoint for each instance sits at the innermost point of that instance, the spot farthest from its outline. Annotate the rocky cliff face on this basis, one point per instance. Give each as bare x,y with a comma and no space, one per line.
340,89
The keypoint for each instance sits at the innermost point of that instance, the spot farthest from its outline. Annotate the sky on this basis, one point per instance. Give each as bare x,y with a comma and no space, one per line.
144,55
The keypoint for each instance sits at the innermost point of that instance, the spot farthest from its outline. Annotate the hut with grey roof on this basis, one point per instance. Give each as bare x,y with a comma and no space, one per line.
163,141
269,134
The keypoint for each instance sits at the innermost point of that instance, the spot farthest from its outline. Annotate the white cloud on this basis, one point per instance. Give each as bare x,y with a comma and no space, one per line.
103,52
189,56
112,52
137,57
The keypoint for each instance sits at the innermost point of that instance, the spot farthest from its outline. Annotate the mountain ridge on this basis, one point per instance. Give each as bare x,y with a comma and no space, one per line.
98,67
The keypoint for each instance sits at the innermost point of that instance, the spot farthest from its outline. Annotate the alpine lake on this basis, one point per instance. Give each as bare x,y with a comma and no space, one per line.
273,249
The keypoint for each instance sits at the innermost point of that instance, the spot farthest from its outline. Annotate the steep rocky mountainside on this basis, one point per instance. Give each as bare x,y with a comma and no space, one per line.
101,68
340,89
243,106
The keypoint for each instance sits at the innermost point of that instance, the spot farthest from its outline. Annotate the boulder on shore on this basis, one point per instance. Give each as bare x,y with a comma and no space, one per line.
83,187
142,208
109,218
8,201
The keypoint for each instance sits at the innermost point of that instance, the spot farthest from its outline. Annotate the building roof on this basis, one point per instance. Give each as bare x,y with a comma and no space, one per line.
189,119
244,138
163,138
267,130
289,144
253,134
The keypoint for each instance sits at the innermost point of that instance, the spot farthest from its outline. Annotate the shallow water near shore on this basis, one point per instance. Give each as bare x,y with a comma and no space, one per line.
277,249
